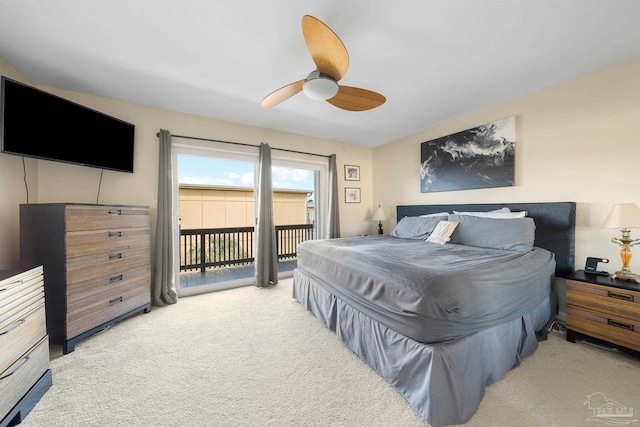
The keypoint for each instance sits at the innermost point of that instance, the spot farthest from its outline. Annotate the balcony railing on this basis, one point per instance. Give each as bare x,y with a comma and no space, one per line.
234,246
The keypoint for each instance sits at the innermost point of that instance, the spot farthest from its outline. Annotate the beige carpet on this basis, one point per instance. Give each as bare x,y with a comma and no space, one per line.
255,357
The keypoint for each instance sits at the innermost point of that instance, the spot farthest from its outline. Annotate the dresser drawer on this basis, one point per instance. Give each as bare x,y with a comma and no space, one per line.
85,293
82,218
21,332
604,299
105,265
95,312
17,379
81,243
607,327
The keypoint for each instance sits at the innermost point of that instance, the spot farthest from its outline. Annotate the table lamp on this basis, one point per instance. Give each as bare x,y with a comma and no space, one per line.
624,216
379,216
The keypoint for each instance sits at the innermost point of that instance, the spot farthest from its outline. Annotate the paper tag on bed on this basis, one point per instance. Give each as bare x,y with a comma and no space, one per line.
442,233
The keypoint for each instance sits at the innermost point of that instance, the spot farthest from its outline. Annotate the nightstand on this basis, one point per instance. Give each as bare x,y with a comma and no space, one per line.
604,308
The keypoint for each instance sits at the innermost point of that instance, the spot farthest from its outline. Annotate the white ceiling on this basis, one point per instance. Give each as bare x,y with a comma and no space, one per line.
434,60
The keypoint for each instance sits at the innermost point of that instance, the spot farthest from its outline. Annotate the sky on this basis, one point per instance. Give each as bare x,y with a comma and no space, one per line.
208,171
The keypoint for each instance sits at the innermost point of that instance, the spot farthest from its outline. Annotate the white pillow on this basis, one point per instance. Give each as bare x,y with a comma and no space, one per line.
442,233
435,214
501,210
498,214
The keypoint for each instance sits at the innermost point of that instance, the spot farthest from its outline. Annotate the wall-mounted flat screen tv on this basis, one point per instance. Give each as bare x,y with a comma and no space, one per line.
34,123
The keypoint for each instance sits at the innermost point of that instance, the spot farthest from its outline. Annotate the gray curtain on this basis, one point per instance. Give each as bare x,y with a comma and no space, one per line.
266,248
164,287
319,222
333,217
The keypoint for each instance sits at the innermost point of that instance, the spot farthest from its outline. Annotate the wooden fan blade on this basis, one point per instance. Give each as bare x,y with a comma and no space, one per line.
356,99
282,94
325,47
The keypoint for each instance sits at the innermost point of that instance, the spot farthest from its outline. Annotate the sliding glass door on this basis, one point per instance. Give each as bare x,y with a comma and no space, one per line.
217,215
294,210
215,208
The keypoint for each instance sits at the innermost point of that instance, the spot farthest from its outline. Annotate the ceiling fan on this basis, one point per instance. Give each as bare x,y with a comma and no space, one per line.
332,62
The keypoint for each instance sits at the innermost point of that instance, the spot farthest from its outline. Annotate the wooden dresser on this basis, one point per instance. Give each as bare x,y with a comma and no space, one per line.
24,346
604,308
96,260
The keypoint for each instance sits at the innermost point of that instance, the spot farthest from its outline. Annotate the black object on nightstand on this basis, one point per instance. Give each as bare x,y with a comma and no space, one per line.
604,308
591,266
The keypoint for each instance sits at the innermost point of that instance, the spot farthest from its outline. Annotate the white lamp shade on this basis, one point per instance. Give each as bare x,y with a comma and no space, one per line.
379,215
623,215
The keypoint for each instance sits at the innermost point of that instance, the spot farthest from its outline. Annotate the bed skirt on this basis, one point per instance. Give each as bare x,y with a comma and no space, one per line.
443,382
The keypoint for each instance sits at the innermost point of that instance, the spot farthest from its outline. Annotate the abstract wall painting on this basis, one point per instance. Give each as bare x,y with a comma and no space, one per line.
482,157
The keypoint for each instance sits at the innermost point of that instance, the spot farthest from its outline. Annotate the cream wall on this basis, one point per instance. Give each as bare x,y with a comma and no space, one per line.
576,141
59,182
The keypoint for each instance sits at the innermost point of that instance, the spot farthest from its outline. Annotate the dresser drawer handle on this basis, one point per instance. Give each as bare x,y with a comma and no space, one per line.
115,234
115,211
114,279
15,325
25,360
116,256
12,285
115,301
620,325
624,297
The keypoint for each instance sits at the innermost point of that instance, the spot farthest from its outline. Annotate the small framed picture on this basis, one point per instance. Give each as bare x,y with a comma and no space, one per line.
351,173
351,195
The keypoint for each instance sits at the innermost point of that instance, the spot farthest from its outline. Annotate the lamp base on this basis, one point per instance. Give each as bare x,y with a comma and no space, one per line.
626,275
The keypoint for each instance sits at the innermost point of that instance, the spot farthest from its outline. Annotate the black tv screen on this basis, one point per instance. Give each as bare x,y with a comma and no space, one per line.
34,123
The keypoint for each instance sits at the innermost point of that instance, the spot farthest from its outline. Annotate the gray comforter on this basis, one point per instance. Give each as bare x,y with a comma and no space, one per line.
426,291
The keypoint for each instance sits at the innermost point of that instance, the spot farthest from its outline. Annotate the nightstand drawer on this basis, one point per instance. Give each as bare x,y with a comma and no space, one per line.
15,280
614,329
18,287
619,302
20,333
17,379
23,302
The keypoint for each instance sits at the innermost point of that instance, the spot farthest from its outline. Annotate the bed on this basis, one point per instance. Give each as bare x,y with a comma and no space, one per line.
441,322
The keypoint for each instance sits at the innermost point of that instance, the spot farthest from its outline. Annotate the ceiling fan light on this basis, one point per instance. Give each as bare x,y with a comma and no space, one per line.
321,88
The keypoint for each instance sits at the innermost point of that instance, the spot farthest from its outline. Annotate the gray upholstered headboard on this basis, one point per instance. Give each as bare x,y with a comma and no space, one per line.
555,225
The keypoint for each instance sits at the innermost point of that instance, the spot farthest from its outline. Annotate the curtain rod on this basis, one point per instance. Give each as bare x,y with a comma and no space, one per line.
246,145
